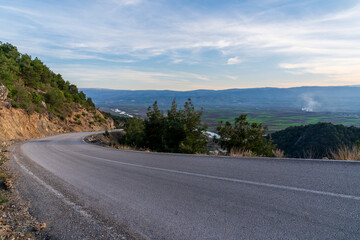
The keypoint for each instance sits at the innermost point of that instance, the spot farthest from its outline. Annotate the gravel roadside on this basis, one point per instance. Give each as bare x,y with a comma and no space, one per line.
57,204
15,220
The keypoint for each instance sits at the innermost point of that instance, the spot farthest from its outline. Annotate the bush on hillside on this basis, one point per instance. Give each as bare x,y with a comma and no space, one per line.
30,81
315,140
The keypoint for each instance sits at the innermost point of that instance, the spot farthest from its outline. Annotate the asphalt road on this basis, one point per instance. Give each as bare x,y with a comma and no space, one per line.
88,192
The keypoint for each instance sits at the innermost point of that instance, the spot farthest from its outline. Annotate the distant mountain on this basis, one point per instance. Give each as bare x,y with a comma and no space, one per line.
331,99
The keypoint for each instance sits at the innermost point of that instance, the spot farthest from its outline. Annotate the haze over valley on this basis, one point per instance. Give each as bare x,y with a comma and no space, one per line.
277,108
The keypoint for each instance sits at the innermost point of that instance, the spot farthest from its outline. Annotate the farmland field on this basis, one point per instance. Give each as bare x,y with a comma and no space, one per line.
275,120
278,120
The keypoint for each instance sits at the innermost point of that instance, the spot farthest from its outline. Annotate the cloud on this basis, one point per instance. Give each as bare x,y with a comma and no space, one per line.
126,78
232,77
325,44
126,2
234,60
344,70
18,10
177,60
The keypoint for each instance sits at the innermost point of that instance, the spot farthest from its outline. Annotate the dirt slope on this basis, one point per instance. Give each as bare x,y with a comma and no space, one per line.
16,124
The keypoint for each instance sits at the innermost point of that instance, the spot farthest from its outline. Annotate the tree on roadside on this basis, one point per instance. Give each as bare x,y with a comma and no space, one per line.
134,128
195,140
179,131
154,128
174,133
245,136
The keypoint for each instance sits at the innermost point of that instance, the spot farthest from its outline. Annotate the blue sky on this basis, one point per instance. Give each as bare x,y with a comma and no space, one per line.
186,45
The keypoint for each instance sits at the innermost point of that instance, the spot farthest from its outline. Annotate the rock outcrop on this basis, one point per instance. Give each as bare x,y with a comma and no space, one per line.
3,92
17,124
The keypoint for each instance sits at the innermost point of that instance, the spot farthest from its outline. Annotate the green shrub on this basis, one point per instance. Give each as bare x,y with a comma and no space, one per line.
106,133
245,137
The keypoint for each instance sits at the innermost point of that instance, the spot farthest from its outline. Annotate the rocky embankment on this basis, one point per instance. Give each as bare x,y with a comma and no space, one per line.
17,124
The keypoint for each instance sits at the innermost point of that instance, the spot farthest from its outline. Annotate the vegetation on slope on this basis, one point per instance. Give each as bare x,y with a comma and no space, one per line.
315,140
32,84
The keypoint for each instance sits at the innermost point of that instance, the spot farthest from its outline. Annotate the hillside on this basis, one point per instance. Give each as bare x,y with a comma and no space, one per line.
320,99
36,102
315,140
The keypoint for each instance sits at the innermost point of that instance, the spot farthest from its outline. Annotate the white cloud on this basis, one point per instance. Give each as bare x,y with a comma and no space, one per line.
232,77
126,78
325,45
344,70
177,60
234,60
126,2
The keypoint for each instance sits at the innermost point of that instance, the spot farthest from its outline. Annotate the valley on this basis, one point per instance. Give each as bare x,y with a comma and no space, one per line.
276,108
275,120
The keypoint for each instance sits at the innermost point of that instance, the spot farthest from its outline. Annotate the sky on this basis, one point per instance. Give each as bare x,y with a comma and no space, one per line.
189,44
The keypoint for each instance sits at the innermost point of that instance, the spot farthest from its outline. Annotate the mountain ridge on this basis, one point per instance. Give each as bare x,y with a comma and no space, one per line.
317,98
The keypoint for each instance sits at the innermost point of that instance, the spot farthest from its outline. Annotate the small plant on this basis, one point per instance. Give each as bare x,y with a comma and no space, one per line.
3,200
106,133
241,153
84,114
125,147
347,153
77,116
15,104
3,176
2,158
278,153
61,117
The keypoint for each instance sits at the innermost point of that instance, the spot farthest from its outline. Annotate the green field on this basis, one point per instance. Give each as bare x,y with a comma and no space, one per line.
275,120
278,120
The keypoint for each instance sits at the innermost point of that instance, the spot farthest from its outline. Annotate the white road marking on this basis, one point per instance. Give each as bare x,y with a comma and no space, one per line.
71,204
231,179
54,191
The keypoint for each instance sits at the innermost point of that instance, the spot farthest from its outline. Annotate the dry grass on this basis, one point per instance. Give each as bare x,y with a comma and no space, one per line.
125,147
248,153
241,153
278,153
347,153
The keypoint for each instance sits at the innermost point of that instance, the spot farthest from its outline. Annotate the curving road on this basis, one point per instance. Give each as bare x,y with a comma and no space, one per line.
88,192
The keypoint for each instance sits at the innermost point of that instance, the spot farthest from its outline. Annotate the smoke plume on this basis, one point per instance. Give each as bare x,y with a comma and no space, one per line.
310,103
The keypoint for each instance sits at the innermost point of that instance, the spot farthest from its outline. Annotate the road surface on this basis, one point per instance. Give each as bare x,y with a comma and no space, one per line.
85,191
